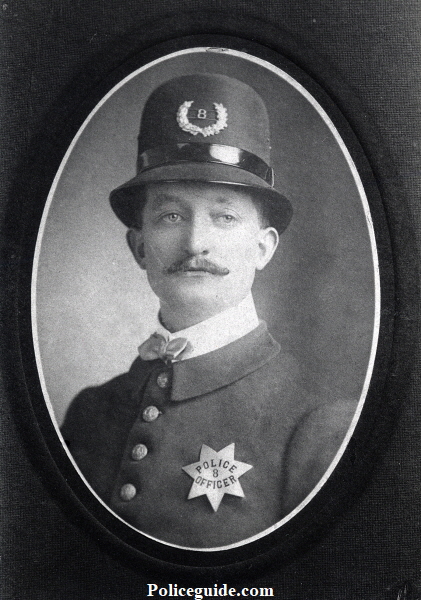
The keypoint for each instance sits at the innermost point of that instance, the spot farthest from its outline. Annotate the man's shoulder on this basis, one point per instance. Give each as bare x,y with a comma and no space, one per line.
321,430
104,390
330,417
96,402
314,444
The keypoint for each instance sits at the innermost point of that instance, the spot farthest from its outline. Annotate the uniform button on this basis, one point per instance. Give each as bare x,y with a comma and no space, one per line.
139,451
163,380
127,492
150,413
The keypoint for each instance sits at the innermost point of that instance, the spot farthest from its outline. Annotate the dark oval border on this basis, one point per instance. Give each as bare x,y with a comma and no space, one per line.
24,214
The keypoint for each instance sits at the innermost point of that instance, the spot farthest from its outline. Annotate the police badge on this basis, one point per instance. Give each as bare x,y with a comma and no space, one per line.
216,474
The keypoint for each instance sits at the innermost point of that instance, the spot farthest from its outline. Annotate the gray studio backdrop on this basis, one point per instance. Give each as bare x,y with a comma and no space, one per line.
93,304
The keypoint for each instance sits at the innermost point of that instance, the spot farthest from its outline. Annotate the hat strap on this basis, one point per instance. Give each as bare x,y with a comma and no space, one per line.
207,153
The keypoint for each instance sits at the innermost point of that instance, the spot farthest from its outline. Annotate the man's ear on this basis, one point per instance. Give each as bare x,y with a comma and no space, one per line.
268,242
135,241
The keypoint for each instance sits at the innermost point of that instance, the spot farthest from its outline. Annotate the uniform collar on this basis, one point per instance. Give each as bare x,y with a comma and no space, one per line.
208,372
217,331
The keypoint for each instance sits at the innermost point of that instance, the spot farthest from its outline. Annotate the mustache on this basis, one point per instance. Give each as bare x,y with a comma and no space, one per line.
196,264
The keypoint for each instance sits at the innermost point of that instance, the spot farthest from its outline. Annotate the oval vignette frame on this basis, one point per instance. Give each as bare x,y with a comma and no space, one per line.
348,471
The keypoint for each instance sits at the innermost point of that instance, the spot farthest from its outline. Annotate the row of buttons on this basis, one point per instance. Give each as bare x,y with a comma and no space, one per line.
149,414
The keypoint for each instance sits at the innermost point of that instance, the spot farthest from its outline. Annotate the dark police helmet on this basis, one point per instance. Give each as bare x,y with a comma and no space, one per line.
204,128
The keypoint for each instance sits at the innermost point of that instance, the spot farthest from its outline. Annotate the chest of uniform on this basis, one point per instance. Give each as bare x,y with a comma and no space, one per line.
210,461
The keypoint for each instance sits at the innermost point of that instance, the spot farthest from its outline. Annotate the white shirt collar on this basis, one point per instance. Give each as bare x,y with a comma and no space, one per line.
217,331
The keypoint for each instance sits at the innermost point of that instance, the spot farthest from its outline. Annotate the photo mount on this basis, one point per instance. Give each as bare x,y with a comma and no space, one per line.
52,462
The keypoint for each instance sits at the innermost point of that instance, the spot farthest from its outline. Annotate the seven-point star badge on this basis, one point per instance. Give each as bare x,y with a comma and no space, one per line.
216,474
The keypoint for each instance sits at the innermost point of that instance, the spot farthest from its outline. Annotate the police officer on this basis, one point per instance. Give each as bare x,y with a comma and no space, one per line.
208,440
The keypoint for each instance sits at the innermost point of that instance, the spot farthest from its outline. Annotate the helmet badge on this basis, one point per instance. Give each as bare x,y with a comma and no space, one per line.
184,123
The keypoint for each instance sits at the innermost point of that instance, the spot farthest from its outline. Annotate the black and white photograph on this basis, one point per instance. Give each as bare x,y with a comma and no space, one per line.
206,298
210,320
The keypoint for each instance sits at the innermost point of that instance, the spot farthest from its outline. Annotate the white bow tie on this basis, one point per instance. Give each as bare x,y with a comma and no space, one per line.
158,347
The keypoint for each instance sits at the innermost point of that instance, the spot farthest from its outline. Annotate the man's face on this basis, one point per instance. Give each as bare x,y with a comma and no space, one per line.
201,245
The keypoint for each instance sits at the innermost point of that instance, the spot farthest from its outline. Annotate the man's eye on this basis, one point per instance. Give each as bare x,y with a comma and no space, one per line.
227,219
171,217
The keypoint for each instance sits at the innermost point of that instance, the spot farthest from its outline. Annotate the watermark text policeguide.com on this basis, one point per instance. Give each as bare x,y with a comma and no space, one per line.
172,590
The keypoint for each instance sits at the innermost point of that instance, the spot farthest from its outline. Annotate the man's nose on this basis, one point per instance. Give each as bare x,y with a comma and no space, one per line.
197,237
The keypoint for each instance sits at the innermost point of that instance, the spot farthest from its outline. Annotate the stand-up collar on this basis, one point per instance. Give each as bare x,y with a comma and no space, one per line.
217,331
208,372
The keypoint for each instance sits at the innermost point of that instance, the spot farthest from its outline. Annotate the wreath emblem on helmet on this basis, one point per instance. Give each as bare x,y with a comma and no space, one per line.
184,123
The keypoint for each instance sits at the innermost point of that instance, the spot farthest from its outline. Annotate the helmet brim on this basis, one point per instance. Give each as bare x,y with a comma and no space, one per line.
127,199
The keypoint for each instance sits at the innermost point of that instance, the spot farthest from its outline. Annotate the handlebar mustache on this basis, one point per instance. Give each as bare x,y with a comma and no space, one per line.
196,264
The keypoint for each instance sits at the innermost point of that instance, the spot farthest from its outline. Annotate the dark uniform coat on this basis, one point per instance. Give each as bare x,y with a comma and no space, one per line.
132,436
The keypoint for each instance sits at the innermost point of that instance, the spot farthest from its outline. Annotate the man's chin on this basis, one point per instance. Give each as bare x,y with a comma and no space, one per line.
195,290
